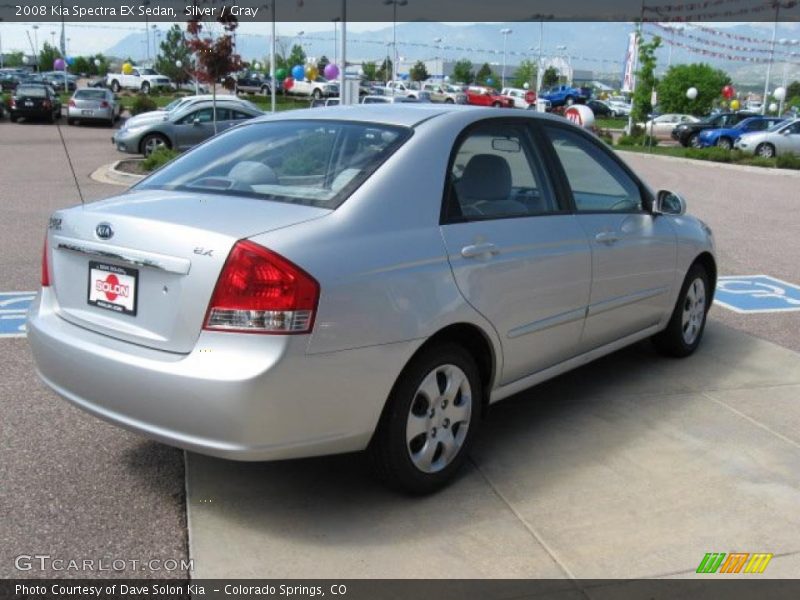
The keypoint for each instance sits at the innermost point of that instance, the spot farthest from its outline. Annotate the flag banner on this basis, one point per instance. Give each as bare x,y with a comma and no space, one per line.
629,74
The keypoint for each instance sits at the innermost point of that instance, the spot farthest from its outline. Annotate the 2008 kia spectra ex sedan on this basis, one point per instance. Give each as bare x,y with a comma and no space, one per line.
369,277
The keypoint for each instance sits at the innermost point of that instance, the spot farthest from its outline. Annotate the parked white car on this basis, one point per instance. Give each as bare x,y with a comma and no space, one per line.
398,88
522,98
319,88
783,138
661,127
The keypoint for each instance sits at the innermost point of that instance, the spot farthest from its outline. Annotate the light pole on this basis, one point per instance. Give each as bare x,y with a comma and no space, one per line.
36,44
563,56
53,38
438,42
336,39
155,42
771,59
394,4
145,3
506,32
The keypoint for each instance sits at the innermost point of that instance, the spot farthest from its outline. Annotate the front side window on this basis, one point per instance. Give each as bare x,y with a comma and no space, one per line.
311,162
496,173
597,181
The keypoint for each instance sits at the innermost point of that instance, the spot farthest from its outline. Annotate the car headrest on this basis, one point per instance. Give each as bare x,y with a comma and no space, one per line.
251,172
486,177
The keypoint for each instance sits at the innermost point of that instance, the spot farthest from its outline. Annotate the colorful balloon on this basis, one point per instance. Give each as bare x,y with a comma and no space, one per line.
780,94
490,81
311,73
691,93
281,74
728,92
127,68
735,104
288,83
331,71
773,107
58,64
70,60
298,72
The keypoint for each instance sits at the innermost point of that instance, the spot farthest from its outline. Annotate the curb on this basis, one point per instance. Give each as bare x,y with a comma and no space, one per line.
109,174
716,165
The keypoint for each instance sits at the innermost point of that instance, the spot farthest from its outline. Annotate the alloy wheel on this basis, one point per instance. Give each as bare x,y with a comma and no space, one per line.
694,311
152,144
439,418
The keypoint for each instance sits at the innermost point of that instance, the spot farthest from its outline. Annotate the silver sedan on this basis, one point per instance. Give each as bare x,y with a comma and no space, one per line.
182,128
781,139
362,278
93,104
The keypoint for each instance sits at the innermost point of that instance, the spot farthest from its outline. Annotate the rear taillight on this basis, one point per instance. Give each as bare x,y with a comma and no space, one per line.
72,103
104,104
45,270
46,104
13,103
259,291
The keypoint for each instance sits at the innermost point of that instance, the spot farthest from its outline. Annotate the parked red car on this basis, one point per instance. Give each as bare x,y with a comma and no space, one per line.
483,96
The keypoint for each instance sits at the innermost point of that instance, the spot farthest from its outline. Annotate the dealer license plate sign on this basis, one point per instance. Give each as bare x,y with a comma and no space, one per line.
113,288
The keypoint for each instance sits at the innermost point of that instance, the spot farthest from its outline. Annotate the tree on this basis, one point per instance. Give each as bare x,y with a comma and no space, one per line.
370,71
216,58
174,49
793,94
419,72
679,78
645,80
462,72
14,59
297,56
47,56
550,77
385,72
526,73
323,62
484,74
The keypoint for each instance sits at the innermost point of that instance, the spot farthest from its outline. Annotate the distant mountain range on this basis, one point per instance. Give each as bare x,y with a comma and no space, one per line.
595,46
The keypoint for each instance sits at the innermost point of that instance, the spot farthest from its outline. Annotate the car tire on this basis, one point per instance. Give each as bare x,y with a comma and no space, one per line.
414,448
725,143
449,101
569,101
693,141
115,87
687,324
765,151
316,94
497,105
70,121
145,89
265,91
152,142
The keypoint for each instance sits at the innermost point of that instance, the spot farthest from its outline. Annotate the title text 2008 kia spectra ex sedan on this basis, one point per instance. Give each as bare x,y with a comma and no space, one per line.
367,278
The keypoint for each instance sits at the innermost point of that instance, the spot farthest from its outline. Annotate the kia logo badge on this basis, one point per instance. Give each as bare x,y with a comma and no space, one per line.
104,231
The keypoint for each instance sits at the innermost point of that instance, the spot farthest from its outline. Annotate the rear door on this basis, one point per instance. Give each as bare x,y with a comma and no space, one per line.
518,256
634,252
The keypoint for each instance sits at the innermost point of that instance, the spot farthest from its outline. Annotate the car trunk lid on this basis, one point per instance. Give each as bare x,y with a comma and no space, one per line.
142,267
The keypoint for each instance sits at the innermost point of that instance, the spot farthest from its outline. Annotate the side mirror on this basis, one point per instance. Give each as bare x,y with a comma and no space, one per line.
196,121
669,203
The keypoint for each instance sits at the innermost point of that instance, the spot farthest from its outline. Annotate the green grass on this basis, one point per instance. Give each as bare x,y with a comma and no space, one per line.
735,157
609,123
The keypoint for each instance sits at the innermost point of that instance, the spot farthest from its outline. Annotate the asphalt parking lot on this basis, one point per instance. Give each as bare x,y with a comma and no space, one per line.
633,466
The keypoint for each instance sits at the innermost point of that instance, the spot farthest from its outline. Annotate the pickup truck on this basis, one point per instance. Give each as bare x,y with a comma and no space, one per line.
522,98
565,95
396,88
484,96
141,79
319,88
442,92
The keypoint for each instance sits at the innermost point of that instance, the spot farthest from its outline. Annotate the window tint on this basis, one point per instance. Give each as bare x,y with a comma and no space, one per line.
597,182
32,91
240,116
795,128
90,94
204,115
497,174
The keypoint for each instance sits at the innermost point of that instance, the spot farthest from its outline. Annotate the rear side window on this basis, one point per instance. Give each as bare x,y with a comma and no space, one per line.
496,173
34,91
597,181
311,162
90,94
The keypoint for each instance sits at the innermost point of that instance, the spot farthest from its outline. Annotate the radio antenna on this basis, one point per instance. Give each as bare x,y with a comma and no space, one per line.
69,158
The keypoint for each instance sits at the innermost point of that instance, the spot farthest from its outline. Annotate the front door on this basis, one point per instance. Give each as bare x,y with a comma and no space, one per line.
518,256
634,252
194,128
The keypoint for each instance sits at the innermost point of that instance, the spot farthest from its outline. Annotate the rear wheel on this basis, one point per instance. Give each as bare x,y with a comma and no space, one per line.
146,87
115,87
725,143
688,321
429,421
570,101
765,151
316,94
497,105
694,140
449,101
153,142
70,121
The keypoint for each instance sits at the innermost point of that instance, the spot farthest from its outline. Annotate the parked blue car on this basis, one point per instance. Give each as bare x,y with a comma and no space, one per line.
725,137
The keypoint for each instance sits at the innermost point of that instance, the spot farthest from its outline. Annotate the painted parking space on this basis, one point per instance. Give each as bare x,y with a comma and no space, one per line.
757,294
13,312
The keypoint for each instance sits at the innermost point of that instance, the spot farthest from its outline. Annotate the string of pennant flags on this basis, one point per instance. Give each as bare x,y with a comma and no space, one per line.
716,44
738,37
676,14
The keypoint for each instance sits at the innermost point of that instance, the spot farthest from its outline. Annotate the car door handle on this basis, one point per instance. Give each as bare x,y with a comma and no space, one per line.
476,250
607,237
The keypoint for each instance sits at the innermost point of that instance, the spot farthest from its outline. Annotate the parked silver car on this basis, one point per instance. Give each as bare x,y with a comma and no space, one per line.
183,128
363,277
183,103
783,138
93,104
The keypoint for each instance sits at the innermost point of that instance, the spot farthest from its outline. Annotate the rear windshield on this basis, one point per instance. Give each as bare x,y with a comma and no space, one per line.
91,94
37,91
310,162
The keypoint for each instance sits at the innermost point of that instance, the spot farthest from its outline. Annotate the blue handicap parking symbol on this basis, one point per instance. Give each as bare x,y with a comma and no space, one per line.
13,312
757,294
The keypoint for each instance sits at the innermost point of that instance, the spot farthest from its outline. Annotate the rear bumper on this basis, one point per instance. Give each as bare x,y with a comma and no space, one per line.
239,396
97,114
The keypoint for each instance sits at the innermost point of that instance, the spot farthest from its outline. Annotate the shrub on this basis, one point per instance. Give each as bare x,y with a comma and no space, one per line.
637,139
713,154
143,104
788,161
158,159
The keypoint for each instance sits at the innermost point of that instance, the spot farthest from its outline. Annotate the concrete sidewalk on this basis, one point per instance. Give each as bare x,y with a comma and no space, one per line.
634,466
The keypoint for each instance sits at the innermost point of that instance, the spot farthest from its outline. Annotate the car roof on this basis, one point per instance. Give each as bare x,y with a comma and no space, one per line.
400,114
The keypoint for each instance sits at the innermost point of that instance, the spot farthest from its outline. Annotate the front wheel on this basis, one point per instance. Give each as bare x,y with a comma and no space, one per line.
449,101
153,142
146,87
115,87
694,141
570,101
687,324
429,421
766,151
316,94
725,143
497,105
